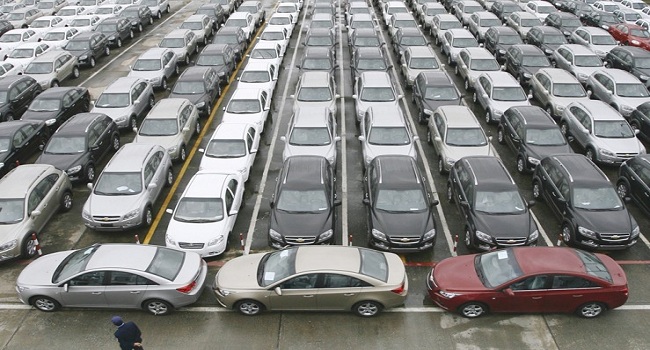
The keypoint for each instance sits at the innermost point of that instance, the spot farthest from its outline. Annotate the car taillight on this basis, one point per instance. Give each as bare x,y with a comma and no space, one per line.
188,288
399,290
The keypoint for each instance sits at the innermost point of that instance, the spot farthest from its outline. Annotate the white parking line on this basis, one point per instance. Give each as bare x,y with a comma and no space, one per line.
265,174
344,143
101,69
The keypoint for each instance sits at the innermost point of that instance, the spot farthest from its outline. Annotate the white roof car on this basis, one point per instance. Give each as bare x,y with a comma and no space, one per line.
85,23
276,35
541,9
265,51
259,75
108,11
232,148
312,131
59,37
46,23
15,37
24,54
248,106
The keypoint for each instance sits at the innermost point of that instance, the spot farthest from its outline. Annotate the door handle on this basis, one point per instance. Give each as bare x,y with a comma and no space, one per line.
577,295
537,298
308,296
348,294
96,293
135,292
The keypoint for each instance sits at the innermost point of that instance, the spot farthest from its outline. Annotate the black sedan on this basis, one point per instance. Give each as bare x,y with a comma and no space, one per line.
139,16
56,105
116,30
634,181
19,139
22,89
81,143
88,47
200,85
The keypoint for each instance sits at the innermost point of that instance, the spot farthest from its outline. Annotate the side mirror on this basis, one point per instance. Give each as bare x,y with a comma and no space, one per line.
224,109
66,287
136,102
509,292
531,203
464,203
399,97
434,202
283,138
292,96
437,139
485,96
153,185
355,96
35,213
278,291
337,138
337,202
135,130
169,211
415,138
366,201
90,186
233,212
186,129
298,66
272,204
362,138
337,96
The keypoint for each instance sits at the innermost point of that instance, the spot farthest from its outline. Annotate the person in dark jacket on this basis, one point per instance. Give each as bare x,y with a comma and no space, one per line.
128,334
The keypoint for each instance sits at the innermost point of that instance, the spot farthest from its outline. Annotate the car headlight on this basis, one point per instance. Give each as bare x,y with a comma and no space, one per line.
2,165
83,57
122,118
275,235
325,235
533,236
448,295
216,241
427,112
155,80
566,32
627,108
22,288
50,122
582,76
221,74
169,240
9,245
224,292
587,232
134,23
86,215
533,160
528,75
548,51
606,152
172,149
74,169
200,105
131,214
483,236
497,113
503,52
429,235
379,235
635,232
111,38
599,52
635,42
644,77
606,27
44,82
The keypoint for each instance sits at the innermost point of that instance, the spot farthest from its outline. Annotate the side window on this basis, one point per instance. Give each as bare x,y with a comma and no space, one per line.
119,278
332,280
232,186
250,139
608,83
19,138
440,124
149,171
531,283
13,93
569,282
229,200
95,278
93,136
307,281
563,186
134,95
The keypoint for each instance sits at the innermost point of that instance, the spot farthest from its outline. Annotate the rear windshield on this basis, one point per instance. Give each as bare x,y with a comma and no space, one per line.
373,264
166,263
594,266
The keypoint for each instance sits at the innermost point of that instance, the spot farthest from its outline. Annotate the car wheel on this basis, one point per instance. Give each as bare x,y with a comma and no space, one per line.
421,119
429,137
549,110
29,247
468,239
167,9
140,28
177,70
450,194
133,123
522,80
115,142
591,154
249,307
441,166
92,62
107,51
159,15
131,34
150,20
197,130
472,309
119,42
567,233
66,200
437,41
474,98
205,40
187,59
152,102
367,308
90,173
182,154
163,84
467,86
45,304
449,62
500,137
157,307
622,189
521,165
608,64
54,83
537,190
488,117
591,309
169,179
564,128
456,70
147,218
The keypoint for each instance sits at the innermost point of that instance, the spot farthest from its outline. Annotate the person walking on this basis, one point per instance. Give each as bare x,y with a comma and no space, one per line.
128,334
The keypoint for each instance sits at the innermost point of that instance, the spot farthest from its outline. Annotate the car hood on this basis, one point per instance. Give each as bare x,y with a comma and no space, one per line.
324,151
39,272
402,224
194,232
541,152
44,115
615,221
166,142
99,205
114,113
147,75
504,105
11,231
301,224
457,274
194,98
376,150
226,164
79,53
60,161
627,145
239,273
565,101
504,226
630,101
433,104
458,152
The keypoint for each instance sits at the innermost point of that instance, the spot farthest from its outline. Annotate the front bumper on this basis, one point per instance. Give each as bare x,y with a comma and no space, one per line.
396,247
10,253
108,223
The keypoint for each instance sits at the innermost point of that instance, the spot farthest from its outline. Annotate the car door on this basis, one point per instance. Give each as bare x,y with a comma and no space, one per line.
85,290
439,134
159,174
233,195
48,194
340,292
20,97
639,180
186,122
21,146
510,125
568,292
140,101
526,294
563,59
296,293
483,92
542,87
125,289
102,131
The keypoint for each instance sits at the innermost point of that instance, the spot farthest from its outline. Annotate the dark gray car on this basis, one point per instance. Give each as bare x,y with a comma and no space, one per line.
200,85
432,90
116,30
221,57
88,47
234,37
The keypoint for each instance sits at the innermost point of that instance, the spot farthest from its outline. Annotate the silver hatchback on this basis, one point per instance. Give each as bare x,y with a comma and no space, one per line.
156,65
617,88
125,100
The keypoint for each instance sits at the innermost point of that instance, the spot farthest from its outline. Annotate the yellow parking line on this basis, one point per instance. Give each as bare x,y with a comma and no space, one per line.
197,143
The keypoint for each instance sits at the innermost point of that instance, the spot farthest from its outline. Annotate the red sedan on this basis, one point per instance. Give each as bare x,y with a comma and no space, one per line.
528,279
631,34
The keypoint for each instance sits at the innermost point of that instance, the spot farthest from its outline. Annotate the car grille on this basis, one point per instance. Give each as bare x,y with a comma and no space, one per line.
106,218
614,237
511,241
297,240
405,241
626,155
186,245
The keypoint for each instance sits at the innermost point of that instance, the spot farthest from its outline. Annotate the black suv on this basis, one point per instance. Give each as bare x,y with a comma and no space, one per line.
522,61
116,29
499,39
88,47
495,213
546,38
80,144
503,9
221,57
139,16
303,204
400,209
580,195
634,181
16,93
19,140
600,19
432,90
56,105
632,59
532,134
200,85
565,22
214,11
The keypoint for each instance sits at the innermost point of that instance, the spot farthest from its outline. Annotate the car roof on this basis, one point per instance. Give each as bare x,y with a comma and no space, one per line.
485,15
375,78
260,65
458,116
311,117
127,256
195,73
303,171
79,123
489,172
525,15
421,51
581,169
397,171
266,45
195,18
321,16
228,30
563,15
501,78
131,157
403,16
205,184
478,52
410,31
365,51
503,30
534,116
59,91
49,56
227,131
593,30
154,53
578,50
548,30
214,48
320,51
121,84
530,50
16,183
178,33
318,258
548,260
460,33
598,109
167,108
315,78
619,75
12,79
558,75
246,93
437,78
390,115
85,36
239,15
446,17
634,51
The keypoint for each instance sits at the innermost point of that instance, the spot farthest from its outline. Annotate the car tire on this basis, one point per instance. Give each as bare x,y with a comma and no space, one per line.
167,9
107,51
205,40
177,70
159,15
449,62
622,189
9,117
564,129
197,129
182,154
567,233
249,307
115,142
473,309
118,42
54,83
450,194
147,216
169,179
608,64
152,102
90,173
157,307
187,59
163,84
521,165
474,97
467,86
488,117
367,308
45,304
133,123
150,20
429,137
537,190
66,202
456,71
75,72
469,241
140,29
549,110
28,249
131,34
92,62
500,136
421,119
590,153
441,166
591,309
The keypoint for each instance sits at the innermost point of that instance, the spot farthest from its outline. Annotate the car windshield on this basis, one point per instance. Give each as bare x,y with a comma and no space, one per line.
472,8
371,64
40,24
641,33
545,137
166,263
310,137
237,23
377,94
424,63
510,39
276,266
66,145
77,45
603,40
320,24
489,64
172,43
596,198
632,17
199,210
221,2
643,63
530,22
535,61
464,42
514,93
396,9
255,77
21,53
11,210
69,12
615,129
54,36
373,264
465,137
249,9
631,90
593,265
445,25
317,63
406,24
400,200
264,53
555,39
569,90
441,93
118,184
158,127
315,94
362,24
490,22
279,21
366,41
108,100
130,13
387,136
10,38
302,201
189,87
320,41
16,16
499,202
45,105
496,268
88,3
192,25
39,68
432,11
210,60
73,264
272,36
3,97
588,61
244,106
147,65
80,22
226,149
413,41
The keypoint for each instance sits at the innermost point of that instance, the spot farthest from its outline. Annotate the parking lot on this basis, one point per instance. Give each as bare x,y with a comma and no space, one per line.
417,325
